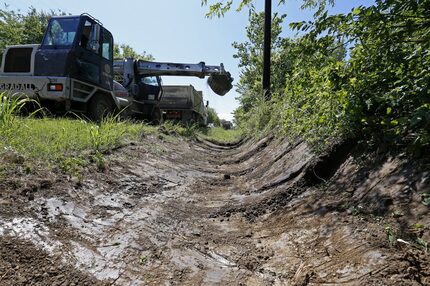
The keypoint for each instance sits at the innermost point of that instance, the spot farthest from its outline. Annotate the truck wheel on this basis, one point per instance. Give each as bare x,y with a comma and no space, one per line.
99,107
156,116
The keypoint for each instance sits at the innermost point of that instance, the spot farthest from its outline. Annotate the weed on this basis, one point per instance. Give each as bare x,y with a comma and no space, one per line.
176,129
143,259
391,234
100,161
418,226
190,130
423,244
9,107
72,165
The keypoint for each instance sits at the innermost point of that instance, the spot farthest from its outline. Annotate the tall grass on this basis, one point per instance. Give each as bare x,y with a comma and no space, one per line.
9,107
178,129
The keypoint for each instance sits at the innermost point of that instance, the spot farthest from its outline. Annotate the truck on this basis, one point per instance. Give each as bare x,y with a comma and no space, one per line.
184,104
73,69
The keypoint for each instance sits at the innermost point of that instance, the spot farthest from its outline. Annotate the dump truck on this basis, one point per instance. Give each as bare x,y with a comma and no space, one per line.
73,69
184,104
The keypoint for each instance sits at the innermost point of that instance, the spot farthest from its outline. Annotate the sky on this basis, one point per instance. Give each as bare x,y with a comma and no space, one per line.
178,31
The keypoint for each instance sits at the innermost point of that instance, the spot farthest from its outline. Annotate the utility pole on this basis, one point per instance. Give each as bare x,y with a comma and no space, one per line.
267,48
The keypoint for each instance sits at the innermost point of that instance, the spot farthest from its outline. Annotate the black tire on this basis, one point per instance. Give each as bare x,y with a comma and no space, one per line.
100,106
156,116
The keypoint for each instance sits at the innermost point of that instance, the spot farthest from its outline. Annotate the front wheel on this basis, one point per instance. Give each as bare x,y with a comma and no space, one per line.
100,106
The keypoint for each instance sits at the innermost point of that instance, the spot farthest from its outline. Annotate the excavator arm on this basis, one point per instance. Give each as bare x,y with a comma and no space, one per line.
220,81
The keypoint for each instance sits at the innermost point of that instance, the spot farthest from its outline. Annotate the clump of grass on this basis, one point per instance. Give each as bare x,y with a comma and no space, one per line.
177,129
391,234
9,107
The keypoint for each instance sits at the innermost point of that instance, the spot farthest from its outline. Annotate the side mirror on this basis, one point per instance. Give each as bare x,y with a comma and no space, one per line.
94,38
207,103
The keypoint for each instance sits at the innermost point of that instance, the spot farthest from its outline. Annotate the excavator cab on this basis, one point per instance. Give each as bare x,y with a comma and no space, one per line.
78,47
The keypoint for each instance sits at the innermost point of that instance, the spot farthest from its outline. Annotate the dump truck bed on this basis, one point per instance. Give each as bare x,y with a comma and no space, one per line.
183,103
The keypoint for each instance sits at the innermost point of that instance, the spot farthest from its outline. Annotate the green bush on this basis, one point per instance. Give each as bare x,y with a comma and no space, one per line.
364,74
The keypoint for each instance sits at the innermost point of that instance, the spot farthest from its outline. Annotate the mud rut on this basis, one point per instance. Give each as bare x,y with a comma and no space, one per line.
188,213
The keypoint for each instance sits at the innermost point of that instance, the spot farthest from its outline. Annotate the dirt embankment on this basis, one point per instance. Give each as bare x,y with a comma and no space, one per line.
180,212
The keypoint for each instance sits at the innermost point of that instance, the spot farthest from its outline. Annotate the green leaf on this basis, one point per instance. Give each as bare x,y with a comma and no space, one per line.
389,110
418,226
356,11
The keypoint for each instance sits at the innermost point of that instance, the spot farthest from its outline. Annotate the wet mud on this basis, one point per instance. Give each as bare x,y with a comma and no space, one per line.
195,212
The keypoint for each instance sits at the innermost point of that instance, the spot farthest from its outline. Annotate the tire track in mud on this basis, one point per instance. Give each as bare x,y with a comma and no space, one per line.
180,212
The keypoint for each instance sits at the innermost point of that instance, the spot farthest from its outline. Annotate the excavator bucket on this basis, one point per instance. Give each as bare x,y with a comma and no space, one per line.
221,83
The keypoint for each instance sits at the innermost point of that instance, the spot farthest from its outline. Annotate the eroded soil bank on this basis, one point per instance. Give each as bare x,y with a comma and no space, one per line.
178,212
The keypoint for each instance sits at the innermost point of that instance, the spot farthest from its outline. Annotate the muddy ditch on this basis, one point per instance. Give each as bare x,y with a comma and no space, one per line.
259,212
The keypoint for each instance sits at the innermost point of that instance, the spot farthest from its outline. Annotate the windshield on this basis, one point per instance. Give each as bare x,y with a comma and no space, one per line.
61,32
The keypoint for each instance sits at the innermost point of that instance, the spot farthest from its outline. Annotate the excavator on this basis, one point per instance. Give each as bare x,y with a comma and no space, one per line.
73,69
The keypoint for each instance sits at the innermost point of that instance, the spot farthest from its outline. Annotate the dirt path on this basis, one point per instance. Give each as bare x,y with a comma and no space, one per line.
178,212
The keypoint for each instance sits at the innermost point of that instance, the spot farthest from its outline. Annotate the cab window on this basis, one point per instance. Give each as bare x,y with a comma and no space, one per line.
61,32
89,38
85,38
107,45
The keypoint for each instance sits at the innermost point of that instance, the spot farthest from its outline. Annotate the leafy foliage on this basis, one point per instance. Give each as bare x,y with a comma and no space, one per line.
365,73
17,28
219,8
126,51
386,79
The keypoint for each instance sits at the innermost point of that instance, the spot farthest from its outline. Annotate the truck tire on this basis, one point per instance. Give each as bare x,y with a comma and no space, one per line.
100,106
156,116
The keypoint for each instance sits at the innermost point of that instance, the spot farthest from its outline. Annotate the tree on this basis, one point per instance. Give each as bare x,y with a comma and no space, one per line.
17,28
250,55
379,93
213,117
126,51
219,8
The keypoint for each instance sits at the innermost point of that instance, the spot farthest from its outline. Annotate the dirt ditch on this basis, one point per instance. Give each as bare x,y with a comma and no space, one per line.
181,212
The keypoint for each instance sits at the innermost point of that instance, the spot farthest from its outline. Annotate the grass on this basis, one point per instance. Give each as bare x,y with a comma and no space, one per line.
53,138
31,144
219,134
8,109
172,128
68,144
